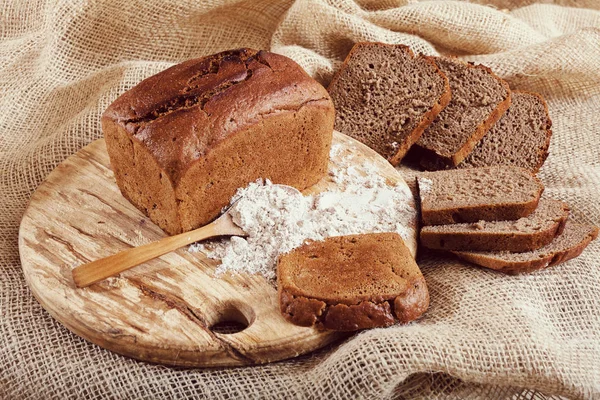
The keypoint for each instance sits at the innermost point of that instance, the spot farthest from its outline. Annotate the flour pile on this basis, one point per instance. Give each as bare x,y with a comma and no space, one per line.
278,220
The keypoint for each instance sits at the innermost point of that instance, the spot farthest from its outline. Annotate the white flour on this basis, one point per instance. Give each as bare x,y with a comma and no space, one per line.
425,185
278,221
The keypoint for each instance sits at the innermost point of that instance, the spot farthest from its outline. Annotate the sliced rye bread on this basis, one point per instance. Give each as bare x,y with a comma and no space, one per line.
353,282
566,246
479,99
470,195
385,97
524,234
520,138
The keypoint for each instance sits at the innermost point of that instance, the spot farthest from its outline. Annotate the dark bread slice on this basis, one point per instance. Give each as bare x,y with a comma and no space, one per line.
525,234
470,195
568,245
479,98
351,282
520,138
385,97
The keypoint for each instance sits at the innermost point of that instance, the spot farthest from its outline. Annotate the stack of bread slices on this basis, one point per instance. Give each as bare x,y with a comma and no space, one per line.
450,113
494,217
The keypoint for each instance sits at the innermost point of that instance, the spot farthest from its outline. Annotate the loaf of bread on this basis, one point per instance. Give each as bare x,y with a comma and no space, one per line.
183,141
479,98
470,195
351,282
524,234
385,97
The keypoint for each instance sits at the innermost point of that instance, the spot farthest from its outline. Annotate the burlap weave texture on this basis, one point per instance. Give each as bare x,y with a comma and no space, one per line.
486,335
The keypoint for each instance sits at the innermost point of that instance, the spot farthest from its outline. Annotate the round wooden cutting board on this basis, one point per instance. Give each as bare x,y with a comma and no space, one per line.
171,310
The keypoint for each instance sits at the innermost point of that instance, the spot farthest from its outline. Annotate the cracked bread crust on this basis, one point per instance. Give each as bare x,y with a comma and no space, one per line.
182,141
347,283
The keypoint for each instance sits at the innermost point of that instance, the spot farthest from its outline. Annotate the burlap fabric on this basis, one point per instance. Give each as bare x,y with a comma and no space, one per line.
485,336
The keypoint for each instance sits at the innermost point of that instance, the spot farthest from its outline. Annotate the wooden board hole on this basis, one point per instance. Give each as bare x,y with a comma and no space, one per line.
233,319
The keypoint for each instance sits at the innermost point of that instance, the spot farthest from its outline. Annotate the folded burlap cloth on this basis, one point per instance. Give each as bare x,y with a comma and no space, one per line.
486,335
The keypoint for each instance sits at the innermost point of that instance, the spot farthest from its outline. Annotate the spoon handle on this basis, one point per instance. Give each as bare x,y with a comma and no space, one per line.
103,268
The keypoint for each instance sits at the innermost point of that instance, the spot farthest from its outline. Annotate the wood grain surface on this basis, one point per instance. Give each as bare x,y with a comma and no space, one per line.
162,311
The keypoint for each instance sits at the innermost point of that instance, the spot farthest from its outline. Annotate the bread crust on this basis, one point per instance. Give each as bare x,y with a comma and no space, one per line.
523,267
426,119
182,141
404,308
432,160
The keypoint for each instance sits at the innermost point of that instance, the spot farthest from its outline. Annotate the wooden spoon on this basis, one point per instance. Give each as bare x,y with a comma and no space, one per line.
98,270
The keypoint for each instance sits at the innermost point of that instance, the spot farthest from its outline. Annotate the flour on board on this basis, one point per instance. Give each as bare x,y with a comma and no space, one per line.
278,221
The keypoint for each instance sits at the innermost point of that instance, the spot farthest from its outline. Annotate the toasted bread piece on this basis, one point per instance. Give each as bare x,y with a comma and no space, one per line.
525,234
385,97
353,282
479,98
568,245
470,195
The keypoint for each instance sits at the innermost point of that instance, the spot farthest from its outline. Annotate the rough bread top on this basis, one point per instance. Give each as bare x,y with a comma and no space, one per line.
349,269
476,92
491,186
184,112
521,137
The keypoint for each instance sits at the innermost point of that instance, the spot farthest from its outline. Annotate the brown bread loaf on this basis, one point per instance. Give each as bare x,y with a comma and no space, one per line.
351,282
385,97
182,141
520,138
566,246
475,194
525,234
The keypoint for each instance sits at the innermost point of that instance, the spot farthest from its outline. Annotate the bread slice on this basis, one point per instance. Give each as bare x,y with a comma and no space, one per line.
521,137
351,282
479,98
525,234
385,97
470,195
568,245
